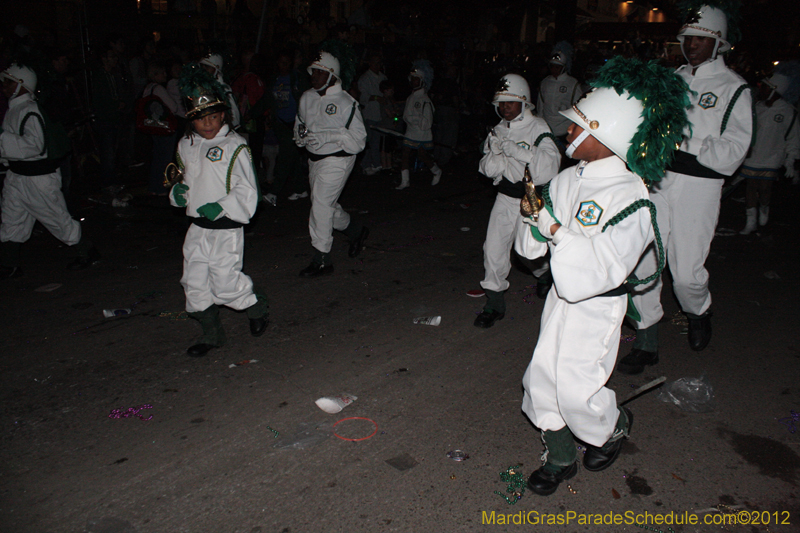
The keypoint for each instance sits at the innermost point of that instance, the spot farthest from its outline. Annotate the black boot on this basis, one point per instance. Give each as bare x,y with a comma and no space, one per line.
87,255
543,284
494,310
320,266
597,459
258,313
213,333
9,260
357,233
560,464
644,352
699,330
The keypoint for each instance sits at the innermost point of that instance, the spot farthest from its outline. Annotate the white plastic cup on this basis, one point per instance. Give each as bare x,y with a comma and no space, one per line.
428,320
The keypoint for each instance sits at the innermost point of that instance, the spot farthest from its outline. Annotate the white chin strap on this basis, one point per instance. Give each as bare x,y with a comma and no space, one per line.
710,59
327,83
577,142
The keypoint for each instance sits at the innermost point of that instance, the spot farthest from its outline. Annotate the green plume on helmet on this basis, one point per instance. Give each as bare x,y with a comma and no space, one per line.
204,94
665,98
731,8
347,59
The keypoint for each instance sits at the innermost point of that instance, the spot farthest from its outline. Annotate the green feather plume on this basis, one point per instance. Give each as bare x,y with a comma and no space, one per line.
195,80
665,98
731,8
347,59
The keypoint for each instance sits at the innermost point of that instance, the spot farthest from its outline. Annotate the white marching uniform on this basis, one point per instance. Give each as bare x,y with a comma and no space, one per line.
418,116
557,94
335,115
544,161
688,205
579,335
28,198
776,145
217,170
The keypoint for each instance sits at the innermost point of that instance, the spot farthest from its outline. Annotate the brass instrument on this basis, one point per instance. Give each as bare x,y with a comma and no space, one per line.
531,203
172,175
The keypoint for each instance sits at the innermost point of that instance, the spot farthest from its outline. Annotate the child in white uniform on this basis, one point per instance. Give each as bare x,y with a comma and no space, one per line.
220,193
596,231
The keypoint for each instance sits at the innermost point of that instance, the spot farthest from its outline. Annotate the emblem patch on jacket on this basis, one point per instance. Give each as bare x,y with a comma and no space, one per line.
562,89
589,213
778,118
524,145
331,109
214,154
707,100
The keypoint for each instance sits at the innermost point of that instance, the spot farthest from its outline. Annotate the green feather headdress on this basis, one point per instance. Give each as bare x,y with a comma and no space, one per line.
665,98
731,8
347,59
204,94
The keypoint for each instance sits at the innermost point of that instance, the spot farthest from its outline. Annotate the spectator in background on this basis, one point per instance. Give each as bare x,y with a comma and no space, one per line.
138,66
163,145
370,93
284,94
108,107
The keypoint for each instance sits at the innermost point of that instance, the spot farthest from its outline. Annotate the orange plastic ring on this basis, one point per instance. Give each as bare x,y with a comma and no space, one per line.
356,418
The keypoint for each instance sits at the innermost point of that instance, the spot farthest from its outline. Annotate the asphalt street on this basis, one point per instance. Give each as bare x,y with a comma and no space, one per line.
234,442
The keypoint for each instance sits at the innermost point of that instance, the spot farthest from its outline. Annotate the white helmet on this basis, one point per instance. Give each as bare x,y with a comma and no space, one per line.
214,61
513,88
24,76
778,83
327,62
707,21
611,118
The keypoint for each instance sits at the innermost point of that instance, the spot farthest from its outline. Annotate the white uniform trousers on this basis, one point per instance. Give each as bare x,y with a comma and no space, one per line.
327,178
500,235
687,212
27,199
212,269
574,357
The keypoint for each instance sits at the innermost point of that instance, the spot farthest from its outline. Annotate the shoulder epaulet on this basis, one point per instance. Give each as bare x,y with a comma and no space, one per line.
544,136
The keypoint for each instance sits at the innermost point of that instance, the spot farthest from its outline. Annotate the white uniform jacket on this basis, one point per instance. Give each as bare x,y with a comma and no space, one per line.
774,148
218,170
369,85
335,112
13,145
715,85
418,116
557,94
585,260
525,130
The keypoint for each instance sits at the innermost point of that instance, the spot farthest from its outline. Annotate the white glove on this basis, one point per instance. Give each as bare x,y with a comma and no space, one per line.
545,221
316,140
513,150
529,221
790,170
494,143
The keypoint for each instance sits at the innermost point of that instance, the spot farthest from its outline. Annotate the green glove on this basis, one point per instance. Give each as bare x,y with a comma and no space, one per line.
210,211
179,194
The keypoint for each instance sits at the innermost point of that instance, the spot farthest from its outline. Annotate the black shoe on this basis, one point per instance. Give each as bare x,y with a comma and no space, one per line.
699,332
487,318
634,362
199,350
545,482
358,243
10,272
259,325
596,459
81,263
315,270
543,285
